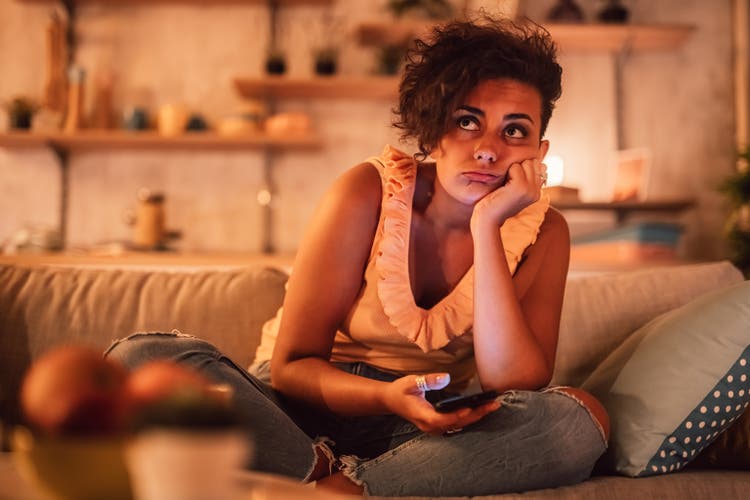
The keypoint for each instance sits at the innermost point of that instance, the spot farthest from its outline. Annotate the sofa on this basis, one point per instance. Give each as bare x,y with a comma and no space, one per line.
43,306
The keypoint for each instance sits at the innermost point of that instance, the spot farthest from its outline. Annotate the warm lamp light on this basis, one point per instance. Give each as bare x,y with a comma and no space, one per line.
555,173
555,168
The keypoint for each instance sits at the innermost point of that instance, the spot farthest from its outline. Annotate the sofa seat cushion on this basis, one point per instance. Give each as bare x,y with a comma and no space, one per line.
42,307
676,383
681,486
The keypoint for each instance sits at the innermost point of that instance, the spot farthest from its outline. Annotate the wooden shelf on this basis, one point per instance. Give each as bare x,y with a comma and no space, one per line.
20,140
334,87
570,37
92,140
614,38
281,3
623,209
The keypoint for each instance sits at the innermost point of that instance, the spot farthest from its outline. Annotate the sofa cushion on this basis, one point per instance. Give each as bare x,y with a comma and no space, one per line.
42,307
676,383
601,311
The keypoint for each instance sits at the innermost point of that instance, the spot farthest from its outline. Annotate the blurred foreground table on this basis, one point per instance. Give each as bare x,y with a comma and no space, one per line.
253,486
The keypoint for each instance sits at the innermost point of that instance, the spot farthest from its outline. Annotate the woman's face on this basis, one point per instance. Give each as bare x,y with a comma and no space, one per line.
499,124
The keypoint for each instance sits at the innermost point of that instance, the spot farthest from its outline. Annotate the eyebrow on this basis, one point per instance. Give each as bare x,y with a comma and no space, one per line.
510,116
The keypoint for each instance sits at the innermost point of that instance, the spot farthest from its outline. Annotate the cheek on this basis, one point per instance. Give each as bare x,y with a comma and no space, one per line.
443,149
517,155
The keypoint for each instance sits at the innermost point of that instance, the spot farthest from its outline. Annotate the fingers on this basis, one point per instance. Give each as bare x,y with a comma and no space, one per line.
432,381
532,171
450,423
536,172
542,173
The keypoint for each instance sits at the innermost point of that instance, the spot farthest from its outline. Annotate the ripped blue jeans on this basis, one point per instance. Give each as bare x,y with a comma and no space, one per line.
537,439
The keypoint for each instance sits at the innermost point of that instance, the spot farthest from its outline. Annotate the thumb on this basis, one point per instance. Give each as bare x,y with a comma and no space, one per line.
432,381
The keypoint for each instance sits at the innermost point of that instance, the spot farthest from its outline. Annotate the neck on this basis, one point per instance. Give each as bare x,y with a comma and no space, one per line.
444,212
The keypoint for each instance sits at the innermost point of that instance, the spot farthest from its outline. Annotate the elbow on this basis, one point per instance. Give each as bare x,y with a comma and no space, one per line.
279,369
542,378
276,376
529,376
538,375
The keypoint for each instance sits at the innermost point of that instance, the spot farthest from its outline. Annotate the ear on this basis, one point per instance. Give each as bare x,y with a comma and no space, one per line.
543,148
437,151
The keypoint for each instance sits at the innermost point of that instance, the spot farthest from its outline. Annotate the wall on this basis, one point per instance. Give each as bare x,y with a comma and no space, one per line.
679,104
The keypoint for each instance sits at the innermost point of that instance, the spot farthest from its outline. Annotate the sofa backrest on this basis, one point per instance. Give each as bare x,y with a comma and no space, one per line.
600,311
43,307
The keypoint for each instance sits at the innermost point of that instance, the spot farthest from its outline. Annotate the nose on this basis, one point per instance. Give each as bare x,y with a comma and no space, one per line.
485,152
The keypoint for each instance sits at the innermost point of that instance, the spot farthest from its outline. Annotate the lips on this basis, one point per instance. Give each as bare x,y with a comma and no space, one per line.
482,177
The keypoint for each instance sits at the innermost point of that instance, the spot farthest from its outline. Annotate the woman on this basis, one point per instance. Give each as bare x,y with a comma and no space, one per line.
416,277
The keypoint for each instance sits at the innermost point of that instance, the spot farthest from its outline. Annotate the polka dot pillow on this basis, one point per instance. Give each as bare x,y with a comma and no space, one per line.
676,383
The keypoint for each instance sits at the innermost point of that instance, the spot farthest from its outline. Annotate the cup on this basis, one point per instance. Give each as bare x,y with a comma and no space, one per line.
187,464
149,227
172,119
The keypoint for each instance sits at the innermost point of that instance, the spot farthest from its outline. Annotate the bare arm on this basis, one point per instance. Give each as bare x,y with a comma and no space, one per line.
516,320
327,277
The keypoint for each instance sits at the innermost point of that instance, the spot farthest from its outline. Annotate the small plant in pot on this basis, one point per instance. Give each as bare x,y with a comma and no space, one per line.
737,188
20,111
432,9
276,62
326,60
390,58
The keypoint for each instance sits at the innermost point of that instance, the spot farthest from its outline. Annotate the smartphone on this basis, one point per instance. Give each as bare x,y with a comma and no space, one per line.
469,401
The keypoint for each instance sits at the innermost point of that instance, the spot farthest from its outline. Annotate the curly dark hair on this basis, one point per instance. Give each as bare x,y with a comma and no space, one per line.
445,66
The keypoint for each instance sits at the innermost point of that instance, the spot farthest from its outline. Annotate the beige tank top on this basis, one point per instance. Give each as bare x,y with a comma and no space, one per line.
385,327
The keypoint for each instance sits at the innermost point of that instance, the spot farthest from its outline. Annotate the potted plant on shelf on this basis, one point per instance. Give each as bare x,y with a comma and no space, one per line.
737,188
326,60
275,62
390,58
20,111
432,9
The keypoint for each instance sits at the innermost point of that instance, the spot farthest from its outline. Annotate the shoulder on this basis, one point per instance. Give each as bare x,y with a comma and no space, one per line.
554,225
358,188
347,215
547,260
553,237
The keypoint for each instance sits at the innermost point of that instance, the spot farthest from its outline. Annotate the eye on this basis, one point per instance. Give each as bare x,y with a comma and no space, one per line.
515,132
467,122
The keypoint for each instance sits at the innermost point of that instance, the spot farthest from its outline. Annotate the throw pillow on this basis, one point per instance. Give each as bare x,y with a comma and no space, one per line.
676,383
731,450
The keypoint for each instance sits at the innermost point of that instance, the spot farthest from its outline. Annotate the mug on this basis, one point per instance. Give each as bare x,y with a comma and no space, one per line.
172,119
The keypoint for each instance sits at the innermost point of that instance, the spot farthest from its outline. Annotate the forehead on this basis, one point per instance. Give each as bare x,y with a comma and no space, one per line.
511,94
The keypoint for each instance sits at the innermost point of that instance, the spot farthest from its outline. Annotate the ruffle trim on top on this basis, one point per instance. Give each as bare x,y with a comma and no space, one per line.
452,317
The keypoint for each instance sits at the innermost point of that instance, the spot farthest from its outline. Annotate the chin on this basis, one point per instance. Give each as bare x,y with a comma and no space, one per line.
471,197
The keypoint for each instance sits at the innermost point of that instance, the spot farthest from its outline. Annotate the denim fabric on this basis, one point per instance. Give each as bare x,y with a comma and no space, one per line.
286,449
535,440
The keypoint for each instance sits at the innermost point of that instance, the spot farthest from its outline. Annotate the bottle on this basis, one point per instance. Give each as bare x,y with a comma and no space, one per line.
101,115
74,115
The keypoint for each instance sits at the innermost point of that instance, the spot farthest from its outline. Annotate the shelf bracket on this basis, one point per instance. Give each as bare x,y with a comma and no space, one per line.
621,58
70,34
273,18
266,200
63,157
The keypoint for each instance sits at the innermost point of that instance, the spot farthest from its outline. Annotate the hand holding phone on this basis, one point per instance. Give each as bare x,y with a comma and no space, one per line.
469,401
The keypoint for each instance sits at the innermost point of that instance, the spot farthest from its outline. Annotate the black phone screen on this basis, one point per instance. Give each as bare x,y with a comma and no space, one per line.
468,401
